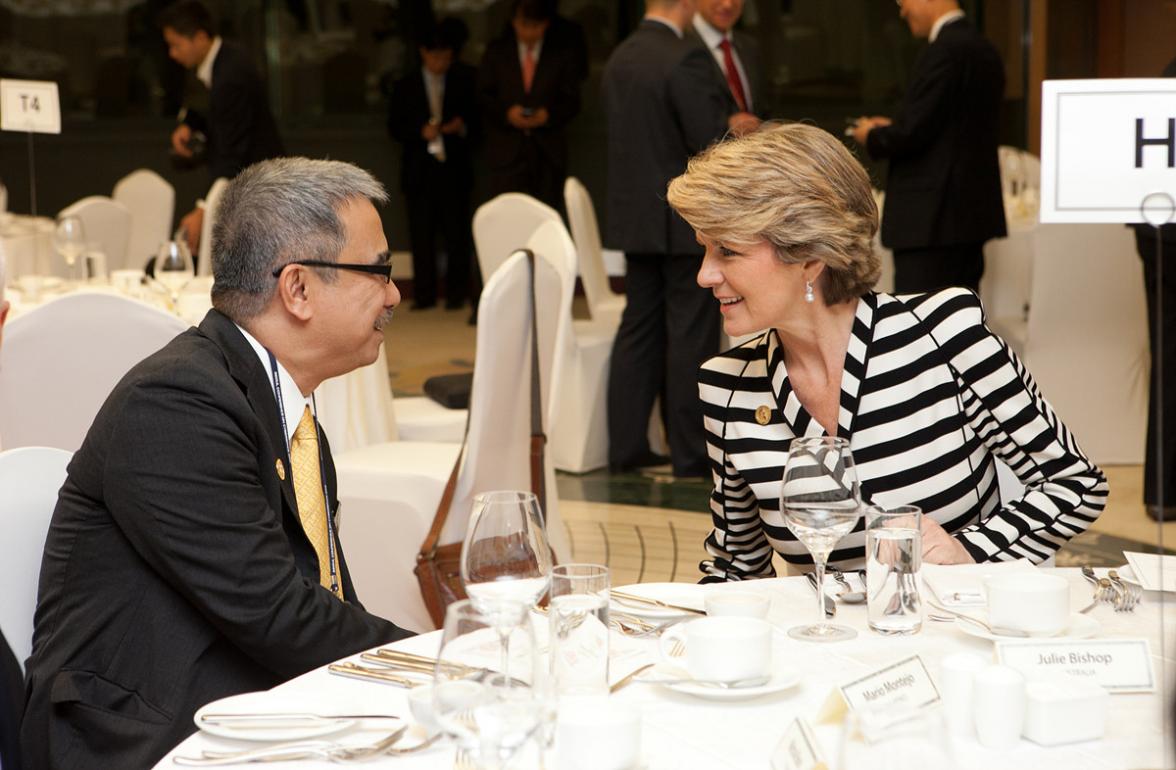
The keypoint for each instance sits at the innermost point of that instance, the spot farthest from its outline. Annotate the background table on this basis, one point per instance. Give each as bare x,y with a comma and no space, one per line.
680,731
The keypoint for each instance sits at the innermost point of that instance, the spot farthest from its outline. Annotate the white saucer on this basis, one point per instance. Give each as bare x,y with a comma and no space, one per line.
1080,627
782,679
260,703
684,594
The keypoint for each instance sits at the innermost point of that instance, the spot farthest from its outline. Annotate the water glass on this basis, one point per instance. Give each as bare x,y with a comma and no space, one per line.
578,617
894,556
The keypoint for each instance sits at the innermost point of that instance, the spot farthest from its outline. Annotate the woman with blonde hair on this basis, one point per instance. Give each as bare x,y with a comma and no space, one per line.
928,398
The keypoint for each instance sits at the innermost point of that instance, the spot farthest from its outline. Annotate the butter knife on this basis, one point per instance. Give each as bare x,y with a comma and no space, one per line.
627,598
830,605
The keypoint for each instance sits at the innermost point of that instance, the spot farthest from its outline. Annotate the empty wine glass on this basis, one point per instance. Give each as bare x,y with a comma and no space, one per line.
505,559
173,267
821,502
69,239
490,715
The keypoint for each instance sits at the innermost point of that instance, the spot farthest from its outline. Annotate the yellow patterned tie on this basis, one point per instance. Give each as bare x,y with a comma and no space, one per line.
308,490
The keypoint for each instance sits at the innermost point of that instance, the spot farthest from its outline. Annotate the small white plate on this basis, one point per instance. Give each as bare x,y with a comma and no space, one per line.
263,703
685,594
782,679
1080,627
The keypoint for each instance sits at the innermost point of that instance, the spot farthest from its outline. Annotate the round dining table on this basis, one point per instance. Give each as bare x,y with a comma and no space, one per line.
680,730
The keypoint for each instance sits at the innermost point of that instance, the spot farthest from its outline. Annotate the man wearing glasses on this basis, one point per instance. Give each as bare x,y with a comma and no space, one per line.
192,554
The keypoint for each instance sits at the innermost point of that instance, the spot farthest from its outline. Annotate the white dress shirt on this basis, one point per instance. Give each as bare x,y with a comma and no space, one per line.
293,402
713,39
204,71
943,21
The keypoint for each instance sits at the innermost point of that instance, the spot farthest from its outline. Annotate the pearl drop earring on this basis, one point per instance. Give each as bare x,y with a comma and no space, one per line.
808,291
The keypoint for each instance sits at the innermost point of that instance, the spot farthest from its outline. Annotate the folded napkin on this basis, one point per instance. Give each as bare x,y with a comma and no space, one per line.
1152,571
962,585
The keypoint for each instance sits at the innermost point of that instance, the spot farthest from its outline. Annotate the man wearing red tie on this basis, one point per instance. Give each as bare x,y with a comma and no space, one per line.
736,61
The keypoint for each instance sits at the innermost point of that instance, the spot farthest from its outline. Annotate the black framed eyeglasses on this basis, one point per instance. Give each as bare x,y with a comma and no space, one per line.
382,270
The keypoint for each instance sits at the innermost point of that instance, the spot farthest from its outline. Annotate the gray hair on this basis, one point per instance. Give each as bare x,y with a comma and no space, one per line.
276,212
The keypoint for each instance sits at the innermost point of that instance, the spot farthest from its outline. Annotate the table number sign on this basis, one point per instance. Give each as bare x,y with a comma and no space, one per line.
1118,665
907,680
797,750
30,105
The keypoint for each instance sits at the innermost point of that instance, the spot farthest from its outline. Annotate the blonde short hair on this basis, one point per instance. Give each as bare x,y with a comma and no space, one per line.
795,186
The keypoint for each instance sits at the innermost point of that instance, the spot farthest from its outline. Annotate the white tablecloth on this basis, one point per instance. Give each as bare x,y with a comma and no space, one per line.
679,731
354,409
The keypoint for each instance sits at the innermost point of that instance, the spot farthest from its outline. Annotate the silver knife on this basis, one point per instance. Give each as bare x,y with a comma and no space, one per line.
830,605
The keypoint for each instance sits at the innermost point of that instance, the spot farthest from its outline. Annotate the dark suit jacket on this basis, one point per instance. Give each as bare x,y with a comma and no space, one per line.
176,570
663,105
239,125
556,86
943,187
748,52
11,707
409,112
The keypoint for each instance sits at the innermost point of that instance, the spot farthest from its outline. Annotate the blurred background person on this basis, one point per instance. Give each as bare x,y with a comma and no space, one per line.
736,58
433,113
239,129
943,193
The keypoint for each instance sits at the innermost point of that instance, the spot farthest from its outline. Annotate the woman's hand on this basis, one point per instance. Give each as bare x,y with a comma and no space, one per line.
940,547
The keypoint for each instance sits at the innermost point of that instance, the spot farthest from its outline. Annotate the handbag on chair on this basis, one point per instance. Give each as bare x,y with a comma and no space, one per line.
438,567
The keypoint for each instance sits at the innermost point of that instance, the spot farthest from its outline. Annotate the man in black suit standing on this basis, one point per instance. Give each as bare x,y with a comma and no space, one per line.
432,114
663,105
193,554
529,90
943,194
736,60
239,129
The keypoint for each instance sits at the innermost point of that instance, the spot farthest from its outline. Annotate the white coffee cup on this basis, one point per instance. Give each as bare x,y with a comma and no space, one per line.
597,733
127,281
420,703
999,706
1036,603
722,649
737,604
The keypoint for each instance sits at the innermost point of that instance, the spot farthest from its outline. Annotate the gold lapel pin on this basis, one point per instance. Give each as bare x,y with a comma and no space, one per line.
280,468
763,414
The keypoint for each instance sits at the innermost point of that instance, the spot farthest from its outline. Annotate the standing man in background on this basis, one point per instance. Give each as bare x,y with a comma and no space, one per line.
943,194
529,90
663,104
736,61
432,113
239,129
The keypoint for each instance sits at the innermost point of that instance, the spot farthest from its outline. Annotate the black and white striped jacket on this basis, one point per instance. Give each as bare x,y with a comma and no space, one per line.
929,398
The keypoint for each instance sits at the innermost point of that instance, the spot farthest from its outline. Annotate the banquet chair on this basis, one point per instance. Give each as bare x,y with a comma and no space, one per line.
603,303
61,359
1085,340
389,492
211,204
152,203
106,223
30,477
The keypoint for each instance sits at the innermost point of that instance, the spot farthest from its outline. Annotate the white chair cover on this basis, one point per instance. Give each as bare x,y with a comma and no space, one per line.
106,223
211,203
152,202
60,361
389,492
604,304
1086,343
356,409
504,224
30,478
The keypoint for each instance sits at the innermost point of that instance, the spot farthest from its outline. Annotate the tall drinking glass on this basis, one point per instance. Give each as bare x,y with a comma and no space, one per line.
490,715
69,239
505,559
173,267
821,501
894,555
578,619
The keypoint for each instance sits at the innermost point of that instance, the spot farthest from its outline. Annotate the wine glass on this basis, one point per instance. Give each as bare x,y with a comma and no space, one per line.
505,559
489,714
69,239
173,267
821,501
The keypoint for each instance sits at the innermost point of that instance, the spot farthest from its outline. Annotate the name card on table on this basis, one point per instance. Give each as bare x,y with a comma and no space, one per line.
1106,145
1118,665
30,105
907,680
797,750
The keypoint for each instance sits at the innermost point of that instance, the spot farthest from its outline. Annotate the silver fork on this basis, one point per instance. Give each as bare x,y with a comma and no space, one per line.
1131,592
463,760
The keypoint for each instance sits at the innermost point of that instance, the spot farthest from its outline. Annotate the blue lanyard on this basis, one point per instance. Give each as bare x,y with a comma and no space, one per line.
322,474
